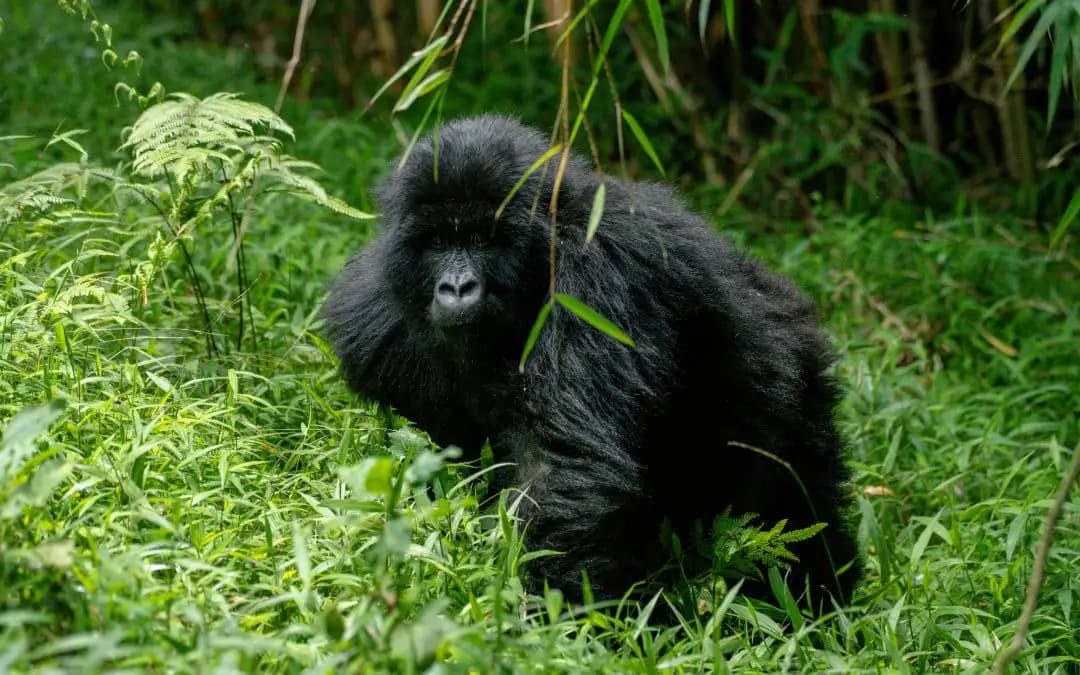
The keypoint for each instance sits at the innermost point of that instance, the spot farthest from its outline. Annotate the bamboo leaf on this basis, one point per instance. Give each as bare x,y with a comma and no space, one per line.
729,18
703,19
1067,218
1058,76
656,18
1032,43
428,54
611,32
534,333
582,13
1019,20
594,318
68,139
596,213
417,80
639,134
430,83
551,152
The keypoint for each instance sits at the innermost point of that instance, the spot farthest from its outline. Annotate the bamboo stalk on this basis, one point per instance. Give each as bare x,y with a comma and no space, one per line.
923,82
427,14
1012,115
892,66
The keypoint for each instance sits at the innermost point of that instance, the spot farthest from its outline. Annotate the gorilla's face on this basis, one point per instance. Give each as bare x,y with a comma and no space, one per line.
470,283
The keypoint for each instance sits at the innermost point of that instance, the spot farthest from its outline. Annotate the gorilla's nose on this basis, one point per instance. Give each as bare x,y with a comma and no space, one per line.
458,292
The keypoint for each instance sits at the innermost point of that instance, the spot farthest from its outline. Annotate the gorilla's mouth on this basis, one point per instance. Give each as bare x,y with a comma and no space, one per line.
456,320
478,334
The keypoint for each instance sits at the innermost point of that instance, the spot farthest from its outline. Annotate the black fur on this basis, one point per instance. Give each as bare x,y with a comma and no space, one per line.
607,440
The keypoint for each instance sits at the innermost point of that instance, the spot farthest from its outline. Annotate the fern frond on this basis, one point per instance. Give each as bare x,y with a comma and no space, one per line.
743,549
183,134
42,191
284,170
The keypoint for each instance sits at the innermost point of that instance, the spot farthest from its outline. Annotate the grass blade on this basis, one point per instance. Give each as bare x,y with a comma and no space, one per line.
1067,218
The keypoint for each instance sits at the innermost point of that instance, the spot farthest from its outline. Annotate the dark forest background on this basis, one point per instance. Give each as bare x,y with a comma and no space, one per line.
777,104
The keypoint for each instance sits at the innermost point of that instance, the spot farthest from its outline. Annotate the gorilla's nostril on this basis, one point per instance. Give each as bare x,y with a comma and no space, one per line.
469,288
446,289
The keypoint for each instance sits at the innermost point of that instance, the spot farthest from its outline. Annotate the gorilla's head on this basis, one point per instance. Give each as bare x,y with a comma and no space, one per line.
472,281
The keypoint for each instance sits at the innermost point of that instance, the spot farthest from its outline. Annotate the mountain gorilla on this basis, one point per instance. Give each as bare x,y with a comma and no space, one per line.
607,441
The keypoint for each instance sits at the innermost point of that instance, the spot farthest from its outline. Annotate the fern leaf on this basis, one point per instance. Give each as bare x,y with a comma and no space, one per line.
284,173
183,134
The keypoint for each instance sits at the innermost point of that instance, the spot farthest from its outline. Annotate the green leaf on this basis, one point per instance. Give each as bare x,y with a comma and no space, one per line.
1070,214
784,598
185,134
610,33
594,319
933,526
18,443
729,18
301,555
1057,73
598,62
551,152
596,213
1016,531
417,641
642,621
656,18
528,21
639,134
379,473
1032,43
371,477
581,14
703,19
425,56
44,480
59,554
1019,20
430,83
68,139
333,623
162,383
795,536
553,603
534,334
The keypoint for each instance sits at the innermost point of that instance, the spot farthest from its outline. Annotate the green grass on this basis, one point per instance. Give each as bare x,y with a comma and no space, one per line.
247,512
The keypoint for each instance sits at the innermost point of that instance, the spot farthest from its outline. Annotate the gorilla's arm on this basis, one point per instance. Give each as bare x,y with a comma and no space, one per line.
367,328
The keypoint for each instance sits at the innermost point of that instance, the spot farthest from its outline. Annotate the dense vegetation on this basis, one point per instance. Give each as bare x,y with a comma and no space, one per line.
186,484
